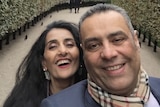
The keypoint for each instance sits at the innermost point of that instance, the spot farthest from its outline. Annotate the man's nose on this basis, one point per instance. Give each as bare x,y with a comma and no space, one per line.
108,51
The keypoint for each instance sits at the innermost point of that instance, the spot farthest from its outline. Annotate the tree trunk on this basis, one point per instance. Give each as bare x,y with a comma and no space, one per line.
0,44
14,35
7,38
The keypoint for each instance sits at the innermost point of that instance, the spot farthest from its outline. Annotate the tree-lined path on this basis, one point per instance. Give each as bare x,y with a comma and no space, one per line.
11,55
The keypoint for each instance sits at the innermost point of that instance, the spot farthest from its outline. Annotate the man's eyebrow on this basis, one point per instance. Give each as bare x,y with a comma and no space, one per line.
90,39
117,33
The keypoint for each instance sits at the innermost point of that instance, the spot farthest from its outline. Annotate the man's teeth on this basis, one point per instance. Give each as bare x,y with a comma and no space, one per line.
63,62
114,67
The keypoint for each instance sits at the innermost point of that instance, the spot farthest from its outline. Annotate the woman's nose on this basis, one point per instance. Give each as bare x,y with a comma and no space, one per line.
63,51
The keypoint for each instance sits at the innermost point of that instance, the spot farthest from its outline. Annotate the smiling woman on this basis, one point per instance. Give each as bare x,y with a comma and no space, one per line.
61,58
53,63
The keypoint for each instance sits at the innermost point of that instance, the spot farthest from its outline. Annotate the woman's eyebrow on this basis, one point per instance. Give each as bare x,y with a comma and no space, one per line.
68,39
51,41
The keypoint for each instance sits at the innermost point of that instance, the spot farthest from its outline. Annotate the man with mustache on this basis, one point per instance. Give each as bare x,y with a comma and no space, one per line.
112,58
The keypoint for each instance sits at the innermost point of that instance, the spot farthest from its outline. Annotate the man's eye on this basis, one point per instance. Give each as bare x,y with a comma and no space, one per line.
93,46
118,40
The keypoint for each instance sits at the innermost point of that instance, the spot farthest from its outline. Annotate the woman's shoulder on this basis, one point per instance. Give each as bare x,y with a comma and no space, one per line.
78,87
73,93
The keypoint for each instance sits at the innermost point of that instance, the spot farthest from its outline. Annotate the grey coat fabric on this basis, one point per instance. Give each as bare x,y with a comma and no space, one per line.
78,96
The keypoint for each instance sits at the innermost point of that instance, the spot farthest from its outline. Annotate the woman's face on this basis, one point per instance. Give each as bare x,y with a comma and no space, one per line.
61,54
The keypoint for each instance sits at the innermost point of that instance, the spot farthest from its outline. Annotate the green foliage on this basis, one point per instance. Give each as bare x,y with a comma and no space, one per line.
15,13
145,14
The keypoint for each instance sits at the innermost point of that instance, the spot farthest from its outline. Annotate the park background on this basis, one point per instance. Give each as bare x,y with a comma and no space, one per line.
19,18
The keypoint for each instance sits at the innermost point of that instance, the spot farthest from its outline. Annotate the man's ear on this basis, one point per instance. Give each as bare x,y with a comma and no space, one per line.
136,40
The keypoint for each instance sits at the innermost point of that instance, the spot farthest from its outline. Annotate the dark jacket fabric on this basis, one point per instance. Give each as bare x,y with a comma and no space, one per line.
78,96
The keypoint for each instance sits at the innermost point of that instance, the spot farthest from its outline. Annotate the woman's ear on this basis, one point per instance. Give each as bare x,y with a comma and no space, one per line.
44,65
81,45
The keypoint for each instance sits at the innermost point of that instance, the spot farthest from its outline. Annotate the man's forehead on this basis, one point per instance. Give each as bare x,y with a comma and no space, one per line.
109,13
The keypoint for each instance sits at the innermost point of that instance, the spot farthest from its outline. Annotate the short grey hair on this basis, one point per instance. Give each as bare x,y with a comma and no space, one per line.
99,8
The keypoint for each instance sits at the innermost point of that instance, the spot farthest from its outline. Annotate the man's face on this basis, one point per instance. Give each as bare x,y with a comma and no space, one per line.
111,52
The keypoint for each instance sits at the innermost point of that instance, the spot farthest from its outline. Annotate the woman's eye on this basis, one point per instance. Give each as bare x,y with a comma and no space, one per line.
70,44
52,46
